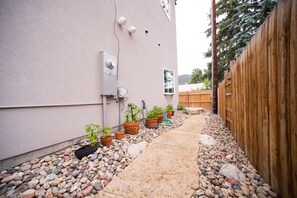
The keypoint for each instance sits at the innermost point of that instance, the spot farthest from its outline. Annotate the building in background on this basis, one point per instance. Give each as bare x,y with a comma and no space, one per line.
51,73
191,87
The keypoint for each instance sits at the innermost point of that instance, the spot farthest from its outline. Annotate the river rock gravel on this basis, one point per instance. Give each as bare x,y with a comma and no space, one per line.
61,174
224,169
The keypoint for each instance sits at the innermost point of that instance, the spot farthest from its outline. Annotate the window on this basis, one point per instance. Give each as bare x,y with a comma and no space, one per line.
168,81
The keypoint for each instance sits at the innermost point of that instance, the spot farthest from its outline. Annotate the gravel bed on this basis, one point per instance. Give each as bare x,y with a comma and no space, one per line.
219,151
61,174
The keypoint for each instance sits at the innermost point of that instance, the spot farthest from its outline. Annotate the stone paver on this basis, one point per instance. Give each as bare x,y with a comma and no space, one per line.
166,168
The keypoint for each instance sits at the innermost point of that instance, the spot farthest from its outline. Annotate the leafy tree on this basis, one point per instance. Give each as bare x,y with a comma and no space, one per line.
207,84
237,22
197,76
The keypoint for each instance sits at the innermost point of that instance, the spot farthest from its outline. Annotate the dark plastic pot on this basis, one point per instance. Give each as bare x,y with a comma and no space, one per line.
85,151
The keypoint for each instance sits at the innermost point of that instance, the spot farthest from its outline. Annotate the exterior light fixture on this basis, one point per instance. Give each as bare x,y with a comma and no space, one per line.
132,29
122,20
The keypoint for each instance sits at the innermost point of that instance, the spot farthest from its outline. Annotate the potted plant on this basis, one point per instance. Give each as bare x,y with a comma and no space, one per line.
106,138
91,135
119,135
160,112
180,107
132,123
152,118
169,109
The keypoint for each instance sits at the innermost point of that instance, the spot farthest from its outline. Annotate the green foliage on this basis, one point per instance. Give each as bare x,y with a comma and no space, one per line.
169,108
207,84
180,107
133,113
152,114
237,22
91,133
197,76
106,132
158,110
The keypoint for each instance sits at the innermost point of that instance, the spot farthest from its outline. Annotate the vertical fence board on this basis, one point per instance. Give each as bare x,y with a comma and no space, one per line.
245,102
235,104
283,30
249,91
253,104
273,102
231,99
257,111
264,104
293,95
261,100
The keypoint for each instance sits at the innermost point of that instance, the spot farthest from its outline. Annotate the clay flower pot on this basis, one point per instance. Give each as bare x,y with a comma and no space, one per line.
151,122
106,141
169,115
119,135
160,118
131,128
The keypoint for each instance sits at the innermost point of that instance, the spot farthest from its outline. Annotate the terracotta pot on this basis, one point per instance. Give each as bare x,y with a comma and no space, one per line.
151,122
160,118
85,151
119,135
169,115
131,128
107,141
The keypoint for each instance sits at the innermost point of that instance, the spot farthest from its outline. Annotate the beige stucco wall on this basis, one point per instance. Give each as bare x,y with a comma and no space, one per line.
49,56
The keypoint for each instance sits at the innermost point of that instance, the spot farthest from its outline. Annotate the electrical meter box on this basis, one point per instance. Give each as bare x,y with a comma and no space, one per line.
108,74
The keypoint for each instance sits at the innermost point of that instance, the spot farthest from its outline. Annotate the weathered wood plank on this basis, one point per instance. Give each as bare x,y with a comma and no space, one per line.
283,32
264,104
249,99
273,102
293,95
257,111
254,104
245,116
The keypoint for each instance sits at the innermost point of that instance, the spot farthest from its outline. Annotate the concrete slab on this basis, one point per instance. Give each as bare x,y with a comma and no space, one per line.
177,139
166,168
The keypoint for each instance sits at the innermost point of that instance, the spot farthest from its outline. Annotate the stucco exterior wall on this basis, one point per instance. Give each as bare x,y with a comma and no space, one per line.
49,66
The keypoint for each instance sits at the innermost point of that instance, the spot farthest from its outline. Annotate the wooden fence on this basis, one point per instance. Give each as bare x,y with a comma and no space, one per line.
258,99
196,99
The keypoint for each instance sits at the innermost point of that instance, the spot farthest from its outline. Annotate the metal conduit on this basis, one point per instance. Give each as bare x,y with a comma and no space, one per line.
51,105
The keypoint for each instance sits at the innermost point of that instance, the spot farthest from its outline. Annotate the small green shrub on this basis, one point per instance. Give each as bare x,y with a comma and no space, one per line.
180,107
132,114
152,114
91,133
105,132
158,110
169,108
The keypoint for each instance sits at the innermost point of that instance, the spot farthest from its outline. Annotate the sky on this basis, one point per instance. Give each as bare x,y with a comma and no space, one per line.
191,23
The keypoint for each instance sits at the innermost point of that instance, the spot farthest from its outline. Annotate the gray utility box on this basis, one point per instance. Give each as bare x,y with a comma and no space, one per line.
108,74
